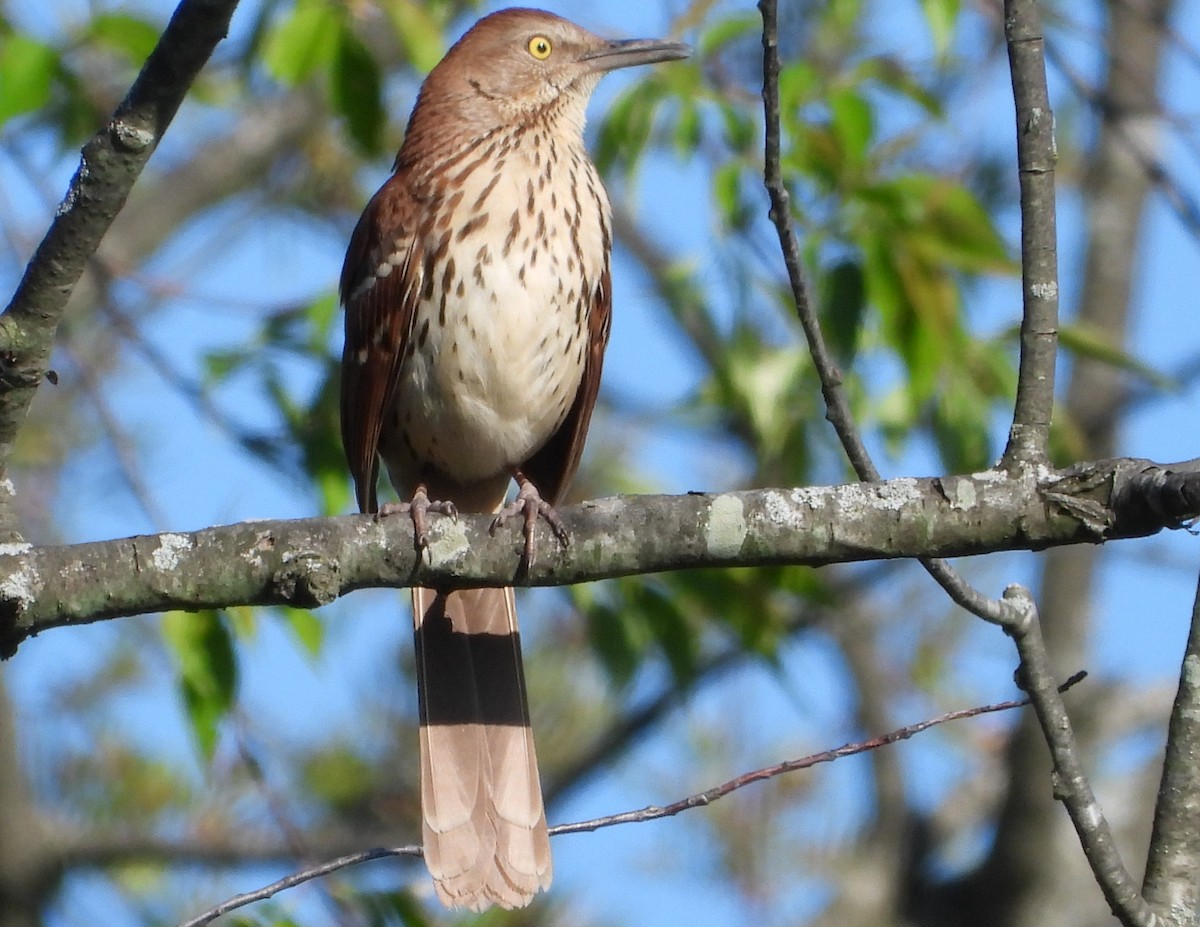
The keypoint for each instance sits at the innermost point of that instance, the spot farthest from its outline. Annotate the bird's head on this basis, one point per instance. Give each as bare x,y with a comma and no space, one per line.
520,65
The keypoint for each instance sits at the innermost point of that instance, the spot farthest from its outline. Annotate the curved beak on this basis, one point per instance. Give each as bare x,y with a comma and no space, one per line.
631,52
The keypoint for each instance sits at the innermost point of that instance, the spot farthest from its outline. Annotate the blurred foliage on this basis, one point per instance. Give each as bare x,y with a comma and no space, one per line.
206,669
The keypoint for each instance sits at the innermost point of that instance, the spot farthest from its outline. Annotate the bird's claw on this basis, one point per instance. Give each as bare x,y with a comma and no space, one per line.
530,504
417,509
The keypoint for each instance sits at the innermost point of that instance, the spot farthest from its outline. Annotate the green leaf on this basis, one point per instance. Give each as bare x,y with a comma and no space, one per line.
321,314
961,416
660,609
357,91
727,192
941,16
726,31
741,132
339,778
626,130
955,229
1097,344
889,72
303,42
687,129
134,38
308,630
852,124
418,31
334,491
220,365
843,304
27,69
614,640
798,83
202,650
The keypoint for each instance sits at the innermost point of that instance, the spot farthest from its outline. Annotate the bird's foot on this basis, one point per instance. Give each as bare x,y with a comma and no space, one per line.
417,509
530,504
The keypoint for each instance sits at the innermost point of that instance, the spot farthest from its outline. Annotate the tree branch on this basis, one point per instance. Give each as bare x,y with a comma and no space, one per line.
1071,785
109,166
1029,435
836,404
652,813
310,562
1174,859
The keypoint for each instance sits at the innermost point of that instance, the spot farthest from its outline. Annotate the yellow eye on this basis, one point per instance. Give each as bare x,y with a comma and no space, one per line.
540,47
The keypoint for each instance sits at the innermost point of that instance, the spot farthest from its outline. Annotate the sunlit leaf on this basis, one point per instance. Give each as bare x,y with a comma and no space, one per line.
687,130
727,192
852,124
955,229
219,365
206,669
418,31
322,314
27,69
740,131
798,84
893,75
303,42
307,628
339,777
627,127
131,36
941,16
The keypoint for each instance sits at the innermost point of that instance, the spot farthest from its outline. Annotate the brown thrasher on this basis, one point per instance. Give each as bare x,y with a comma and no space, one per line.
477,299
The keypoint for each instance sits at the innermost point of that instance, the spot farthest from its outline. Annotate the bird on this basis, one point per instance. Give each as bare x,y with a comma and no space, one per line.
477,295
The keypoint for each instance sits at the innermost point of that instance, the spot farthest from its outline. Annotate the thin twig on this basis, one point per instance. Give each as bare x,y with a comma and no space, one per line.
651,813
836,404
298,878
707,797
625,730
278,811
1071,785
1028,438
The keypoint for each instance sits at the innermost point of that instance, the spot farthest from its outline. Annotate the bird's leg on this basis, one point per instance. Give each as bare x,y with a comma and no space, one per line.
530,504
417,509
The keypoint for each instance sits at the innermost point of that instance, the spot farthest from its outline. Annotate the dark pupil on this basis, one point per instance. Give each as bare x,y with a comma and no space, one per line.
541,47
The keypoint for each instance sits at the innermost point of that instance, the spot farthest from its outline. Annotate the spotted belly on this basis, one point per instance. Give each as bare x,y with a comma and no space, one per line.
497,349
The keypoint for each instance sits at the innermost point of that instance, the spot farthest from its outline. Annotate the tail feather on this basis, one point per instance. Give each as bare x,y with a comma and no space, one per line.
484,830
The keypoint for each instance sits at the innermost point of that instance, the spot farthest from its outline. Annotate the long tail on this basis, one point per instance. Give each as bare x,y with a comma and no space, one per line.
484,829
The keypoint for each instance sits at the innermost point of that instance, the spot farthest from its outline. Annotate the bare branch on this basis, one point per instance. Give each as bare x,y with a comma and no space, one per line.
297,878
1071,785
1036,157
110,164
836,405
1170,884
310,562
629,817
837,409
1162,493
